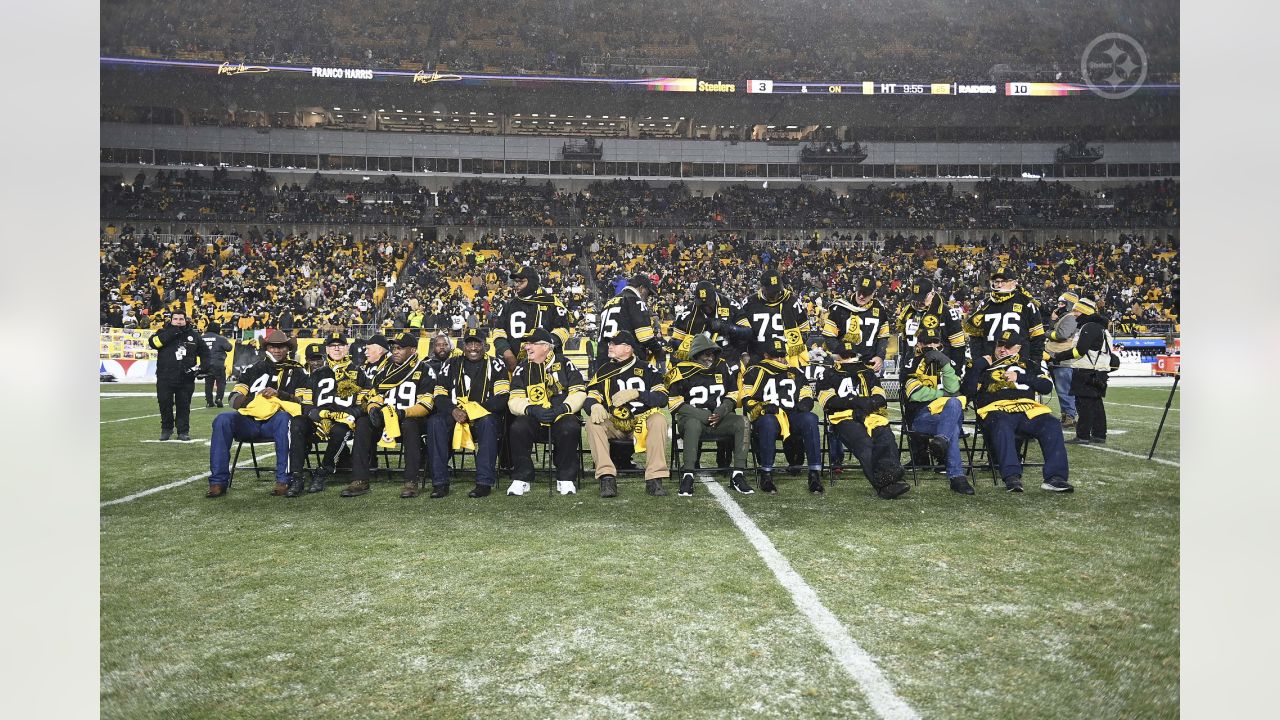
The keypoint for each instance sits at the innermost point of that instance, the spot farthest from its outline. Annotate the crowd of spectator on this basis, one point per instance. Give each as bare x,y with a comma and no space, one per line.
638,204
334,281
263,278
922,40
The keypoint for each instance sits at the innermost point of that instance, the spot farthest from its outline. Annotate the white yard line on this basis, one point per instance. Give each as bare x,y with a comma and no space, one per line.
1144,407
179,483
140,417
107,395
1129,454
861,667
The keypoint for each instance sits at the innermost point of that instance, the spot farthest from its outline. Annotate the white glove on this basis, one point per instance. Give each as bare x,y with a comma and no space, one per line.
598,414
622,397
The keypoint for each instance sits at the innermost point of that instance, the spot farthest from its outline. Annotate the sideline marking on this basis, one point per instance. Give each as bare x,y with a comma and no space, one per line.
178,483
1144,407
140,417
860,666
1129,454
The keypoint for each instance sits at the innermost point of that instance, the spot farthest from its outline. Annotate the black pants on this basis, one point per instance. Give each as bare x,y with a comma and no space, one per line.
877,453
218,378
366,443
175,393
1091,420
565,437
302,431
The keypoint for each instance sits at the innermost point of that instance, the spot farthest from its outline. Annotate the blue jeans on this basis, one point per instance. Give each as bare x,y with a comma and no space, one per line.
232,425
1046,429
804,424
835,450
1062,386
946,424
486,433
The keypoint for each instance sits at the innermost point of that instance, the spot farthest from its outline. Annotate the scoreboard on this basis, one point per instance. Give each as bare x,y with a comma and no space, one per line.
234,71
868,87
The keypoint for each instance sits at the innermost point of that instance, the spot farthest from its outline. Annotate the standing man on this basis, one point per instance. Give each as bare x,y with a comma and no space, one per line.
216,368
264,402
531,309
1066,328
546,394
627,312
625,400
1011,309
471,406
178,348
1090,363
774,313
863,322
925,308
709,315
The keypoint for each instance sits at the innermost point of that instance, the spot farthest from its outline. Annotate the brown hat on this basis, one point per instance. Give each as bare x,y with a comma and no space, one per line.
276,337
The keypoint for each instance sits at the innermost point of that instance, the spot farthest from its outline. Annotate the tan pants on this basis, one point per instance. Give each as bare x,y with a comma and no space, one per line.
655,447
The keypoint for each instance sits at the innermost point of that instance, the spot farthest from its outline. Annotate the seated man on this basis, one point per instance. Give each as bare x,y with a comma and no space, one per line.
546,394
395,401
1003,391
471,406
779,402
326,415
263,402
625,400
851,397
931,384
702,408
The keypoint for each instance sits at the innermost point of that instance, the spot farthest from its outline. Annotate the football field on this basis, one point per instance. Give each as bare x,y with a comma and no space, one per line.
717,606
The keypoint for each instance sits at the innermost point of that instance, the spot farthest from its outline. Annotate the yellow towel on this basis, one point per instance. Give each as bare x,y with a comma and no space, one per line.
873,421
785,423
262,408
462,439
838,417
390,427
682,352
935,407
642,428
1030,407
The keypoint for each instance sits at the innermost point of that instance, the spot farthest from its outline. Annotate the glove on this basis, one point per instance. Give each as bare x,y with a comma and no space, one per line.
598,414
376,419
622,397
805,405
543,415
315,414
399,414
839,403
770,409
937,356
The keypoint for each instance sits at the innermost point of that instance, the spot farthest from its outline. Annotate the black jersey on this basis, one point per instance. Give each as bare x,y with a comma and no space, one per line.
858,387
868,324
403,385
484,381
938,315
770,382
1016,311
548,384
785,319
702,387
626,312
521,316
634,374
322,387
287,378
695,320
990,388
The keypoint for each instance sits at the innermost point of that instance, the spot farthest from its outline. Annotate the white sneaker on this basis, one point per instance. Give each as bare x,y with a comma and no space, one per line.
566,487
518,487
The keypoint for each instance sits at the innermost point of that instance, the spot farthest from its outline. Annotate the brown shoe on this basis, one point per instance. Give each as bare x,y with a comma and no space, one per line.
216,491
280,489
1068,421
356,488
410,490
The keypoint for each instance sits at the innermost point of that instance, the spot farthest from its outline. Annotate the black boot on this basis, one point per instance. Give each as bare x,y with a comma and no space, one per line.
815,482
295,486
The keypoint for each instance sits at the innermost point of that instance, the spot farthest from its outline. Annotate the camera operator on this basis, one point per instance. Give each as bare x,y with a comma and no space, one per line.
178,346
1062,338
